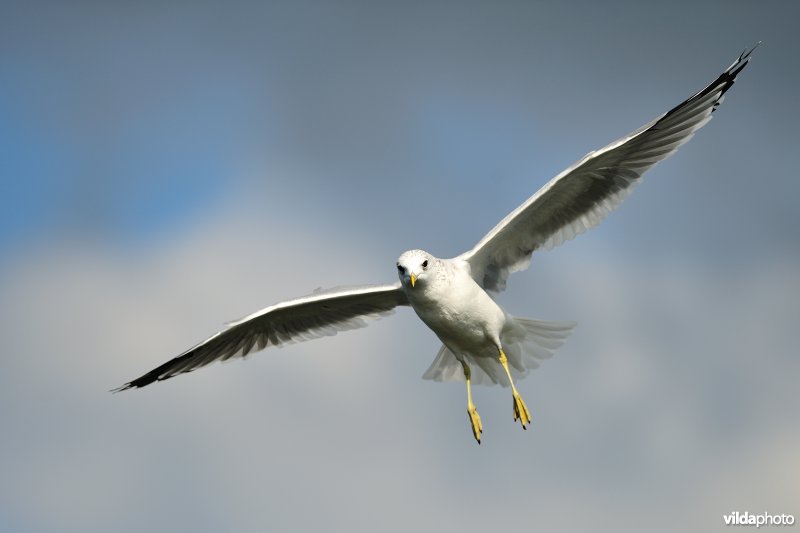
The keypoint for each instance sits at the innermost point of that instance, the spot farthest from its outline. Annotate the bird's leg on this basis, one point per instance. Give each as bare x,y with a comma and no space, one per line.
520,410
474,418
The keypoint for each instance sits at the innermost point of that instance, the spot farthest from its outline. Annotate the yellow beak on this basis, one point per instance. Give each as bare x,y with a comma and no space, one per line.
413,280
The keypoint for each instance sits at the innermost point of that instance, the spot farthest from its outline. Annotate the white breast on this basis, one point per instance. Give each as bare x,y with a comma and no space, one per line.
457,309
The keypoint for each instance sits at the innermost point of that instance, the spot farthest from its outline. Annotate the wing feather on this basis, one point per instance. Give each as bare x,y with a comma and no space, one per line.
584,194
320,314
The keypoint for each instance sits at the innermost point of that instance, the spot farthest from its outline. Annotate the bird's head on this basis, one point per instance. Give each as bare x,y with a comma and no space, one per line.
413,268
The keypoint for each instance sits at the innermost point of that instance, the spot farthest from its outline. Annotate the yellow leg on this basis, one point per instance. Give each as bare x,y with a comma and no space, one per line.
477,426
520,410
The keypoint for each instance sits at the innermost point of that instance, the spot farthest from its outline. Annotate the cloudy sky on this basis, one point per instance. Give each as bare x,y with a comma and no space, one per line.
165,168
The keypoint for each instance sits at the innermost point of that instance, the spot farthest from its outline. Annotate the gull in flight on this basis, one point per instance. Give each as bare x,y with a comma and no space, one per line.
481,342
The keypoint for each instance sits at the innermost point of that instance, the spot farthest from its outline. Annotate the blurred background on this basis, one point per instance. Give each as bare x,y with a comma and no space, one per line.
166,167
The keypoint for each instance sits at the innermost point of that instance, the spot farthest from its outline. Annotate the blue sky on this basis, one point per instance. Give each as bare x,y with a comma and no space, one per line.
118,114
166,168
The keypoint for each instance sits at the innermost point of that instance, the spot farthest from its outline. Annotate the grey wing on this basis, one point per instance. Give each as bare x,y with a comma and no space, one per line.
580,197
319,314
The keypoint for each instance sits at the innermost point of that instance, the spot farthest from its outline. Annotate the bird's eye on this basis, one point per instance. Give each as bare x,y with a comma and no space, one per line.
401,269
425,264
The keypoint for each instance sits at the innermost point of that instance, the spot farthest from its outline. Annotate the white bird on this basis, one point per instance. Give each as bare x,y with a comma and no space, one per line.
482,343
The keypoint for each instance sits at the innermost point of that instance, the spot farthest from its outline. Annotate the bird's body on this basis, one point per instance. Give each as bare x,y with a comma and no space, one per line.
482,343
464,317
472,326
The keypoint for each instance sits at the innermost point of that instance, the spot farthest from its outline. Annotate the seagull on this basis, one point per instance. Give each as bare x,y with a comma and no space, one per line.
481,342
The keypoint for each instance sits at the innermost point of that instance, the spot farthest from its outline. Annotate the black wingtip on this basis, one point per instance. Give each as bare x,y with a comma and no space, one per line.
728,78
741,62
746,53
143,381
129,385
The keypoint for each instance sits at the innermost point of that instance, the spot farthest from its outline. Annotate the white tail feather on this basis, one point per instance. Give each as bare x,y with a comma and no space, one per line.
526,344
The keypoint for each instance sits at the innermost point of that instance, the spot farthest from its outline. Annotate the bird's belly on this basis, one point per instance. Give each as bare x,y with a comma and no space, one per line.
454,327
464,324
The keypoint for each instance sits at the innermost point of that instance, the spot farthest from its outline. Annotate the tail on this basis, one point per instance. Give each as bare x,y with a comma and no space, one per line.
526,344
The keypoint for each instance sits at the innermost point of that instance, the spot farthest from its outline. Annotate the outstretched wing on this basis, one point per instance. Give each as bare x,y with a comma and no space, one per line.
317,315
580,197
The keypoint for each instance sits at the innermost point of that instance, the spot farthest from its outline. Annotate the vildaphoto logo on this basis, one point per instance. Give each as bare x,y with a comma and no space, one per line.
765,519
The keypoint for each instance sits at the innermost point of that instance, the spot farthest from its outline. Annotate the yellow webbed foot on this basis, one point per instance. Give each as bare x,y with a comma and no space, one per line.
475,420
521,411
